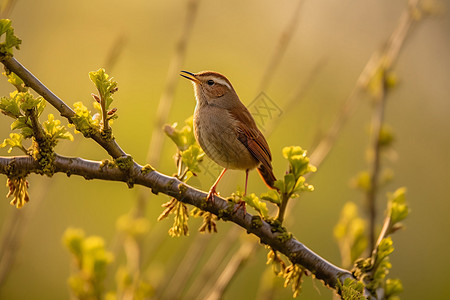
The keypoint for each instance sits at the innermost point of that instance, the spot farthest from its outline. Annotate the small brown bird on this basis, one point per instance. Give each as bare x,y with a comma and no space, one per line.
226,130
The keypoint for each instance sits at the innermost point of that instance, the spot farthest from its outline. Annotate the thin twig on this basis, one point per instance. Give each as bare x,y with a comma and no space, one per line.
374,170
174,284
385,63
205,281
281,47
298,95
387,57
10,242
14,227
105,124
31,81
282,208
232,268
38,131
383,232
114,53
166,100
6,8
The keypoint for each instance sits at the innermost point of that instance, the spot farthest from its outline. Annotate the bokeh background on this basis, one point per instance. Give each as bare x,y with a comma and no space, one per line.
331,43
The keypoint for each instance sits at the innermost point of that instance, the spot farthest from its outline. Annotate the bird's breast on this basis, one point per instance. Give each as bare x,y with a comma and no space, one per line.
215,131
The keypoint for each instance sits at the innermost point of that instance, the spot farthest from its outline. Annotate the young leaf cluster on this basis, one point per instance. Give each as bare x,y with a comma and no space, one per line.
22,106
55,130
209,220
14,141
188,157
292,274
398,210
380,81
293,182
128,288
130,282
180,220
10,40
25,110
106,87
373,271
133,227
89,124
182,137
351,289
261,207
189,154
83,120
18,104
350,234
18,188
90,262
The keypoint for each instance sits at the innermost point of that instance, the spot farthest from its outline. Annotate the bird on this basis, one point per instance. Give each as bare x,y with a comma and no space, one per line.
226,130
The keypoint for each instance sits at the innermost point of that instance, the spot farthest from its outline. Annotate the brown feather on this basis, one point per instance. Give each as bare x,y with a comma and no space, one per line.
252,138
267,176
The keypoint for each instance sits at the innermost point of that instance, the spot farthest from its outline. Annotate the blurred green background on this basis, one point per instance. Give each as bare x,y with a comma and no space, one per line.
333,40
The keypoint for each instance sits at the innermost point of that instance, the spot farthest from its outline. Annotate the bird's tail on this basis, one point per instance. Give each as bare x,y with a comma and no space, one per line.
267,175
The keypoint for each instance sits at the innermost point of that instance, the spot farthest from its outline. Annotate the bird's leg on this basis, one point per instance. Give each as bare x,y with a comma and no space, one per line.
212,190
246,180
241,203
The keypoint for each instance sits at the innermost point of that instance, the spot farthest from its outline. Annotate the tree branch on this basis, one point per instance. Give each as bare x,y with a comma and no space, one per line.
292,248
30,80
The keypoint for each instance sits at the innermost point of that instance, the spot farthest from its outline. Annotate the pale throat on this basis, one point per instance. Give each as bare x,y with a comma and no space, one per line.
198,93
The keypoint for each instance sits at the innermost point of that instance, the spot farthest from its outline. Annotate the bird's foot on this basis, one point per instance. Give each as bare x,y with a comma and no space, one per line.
240,205
211,194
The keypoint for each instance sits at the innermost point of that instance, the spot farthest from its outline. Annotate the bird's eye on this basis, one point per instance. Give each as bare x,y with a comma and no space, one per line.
210,82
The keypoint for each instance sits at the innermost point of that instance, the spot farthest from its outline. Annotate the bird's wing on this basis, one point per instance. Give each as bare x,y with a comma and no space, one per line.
250,136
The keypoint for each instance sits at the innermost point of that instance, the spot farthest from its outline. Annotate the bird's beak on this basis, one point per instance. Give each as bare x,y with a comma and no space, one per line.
190,76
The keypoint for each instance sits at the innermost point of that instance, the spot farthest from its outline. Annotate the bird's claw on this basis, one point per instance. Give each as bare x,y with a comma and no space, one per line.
240,204
211,194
